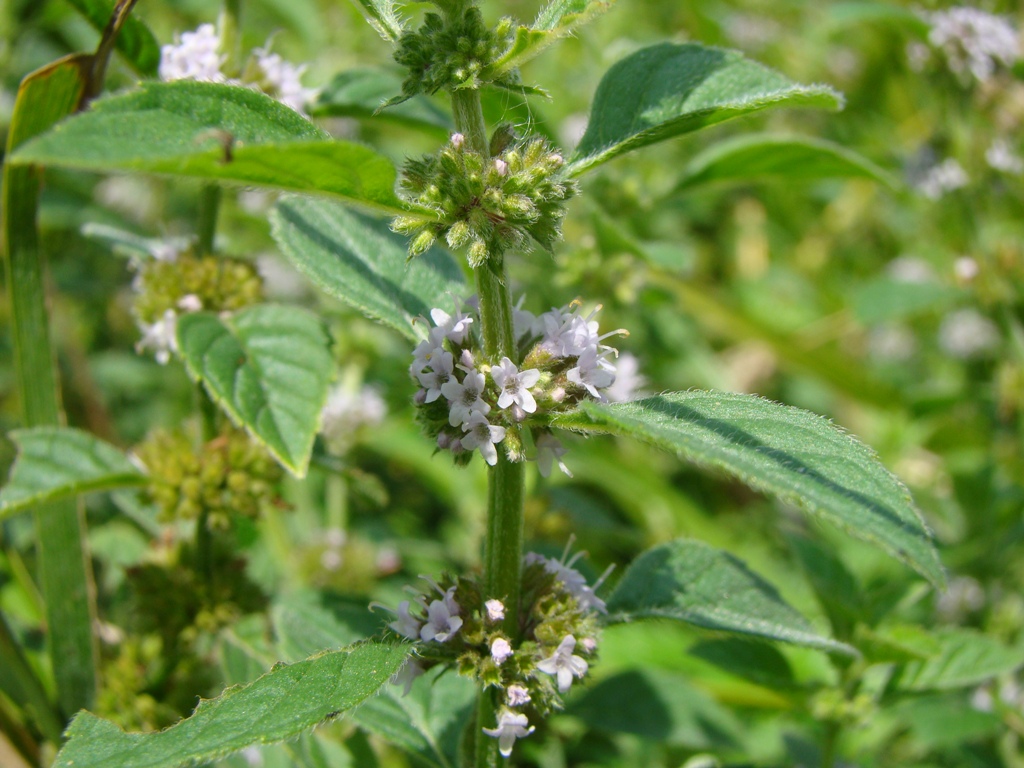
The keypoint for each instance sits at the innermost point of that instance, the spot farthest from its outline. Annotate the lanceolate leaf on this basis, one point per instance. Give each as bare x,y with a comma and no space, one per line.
56,463
361,92
269,368
794,454
220,133
668,90
382,16
283,703
693,582
363,263
135,42
790,158
965,658
558,19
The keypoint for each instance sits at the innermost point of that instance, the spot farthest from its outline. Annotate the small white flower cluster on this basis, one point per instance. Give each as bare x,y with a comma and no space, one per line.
939,179
161,335
347,410
565,361
966,334
974,42
198,56
574,582
1001,157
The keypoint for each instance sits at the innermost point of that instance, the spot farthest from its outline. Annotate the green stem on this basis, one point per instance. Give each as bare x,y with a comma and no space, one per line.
503,547
209,208
204,540
63,568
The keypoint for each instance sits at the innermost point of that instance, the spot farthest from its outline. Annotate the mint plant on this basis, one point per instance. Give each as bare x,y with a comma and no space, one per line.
472,666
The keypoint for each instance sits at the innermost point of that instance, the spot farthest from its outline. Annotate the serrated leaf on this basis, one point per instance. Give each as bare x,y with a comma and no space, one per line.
558,19
283,703
219,133
796,455
658,705
59,463
692,582
309,622
382,16
361,93
965,658
268,367
667,90
760,663
361,262
790,158
427,722
134,41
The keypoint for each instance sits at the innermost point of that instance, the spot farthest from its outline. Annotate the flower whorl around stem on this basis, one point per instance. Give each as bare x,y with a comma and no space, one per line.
487,205
467,403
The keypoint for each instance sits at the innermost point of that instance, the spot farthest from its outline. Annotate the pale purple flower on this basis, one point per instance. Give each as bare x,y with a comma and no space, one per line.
550,451
465,397
441,623
406,625
483,435
454,327
515,385
563,664
501,649
194,56
281,80
511,726
442,366
160,336
407,675
591,372
458,140
495,610
517,695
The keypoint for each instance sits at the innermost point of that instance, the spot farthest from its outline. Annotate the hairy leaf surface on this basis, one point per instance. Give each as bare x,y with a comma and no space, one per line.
667,90
269,368
798,456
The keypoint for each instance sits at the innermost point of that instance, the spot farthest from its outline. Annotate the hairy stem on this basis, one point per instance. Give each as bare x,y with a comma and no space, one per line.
503,547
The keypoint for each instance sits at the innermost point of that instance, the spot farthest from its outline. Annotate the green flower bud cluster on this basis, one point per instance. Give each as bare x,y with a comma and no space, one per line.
552,644
451,51
213,283
488,205
230,475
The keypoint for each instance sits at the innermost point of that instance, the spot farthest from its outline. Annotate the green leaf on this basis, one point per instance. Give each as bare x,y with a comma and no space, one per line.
692,582
965,658
283,703
309,622
667,90
558,19
219,133
885,300
135,41
658,705
428,722
361,262
791,158
798,456
382,17
269,368
58,463
361,92
758,662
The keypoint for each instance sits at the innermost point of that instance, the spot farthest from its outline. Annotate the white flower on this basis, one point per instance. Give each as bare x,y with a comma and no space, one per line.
195,56
500,166
517,695
407,675
592,373
511,726
458,140
515,385
973,41
945,177
495,610
465,397
426,351
190,303
441,623
628,379
281,80
967,334
1001,157
501,649
563,664
405,625
346,411
442,367
454,327
549,451
160,336
483,435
